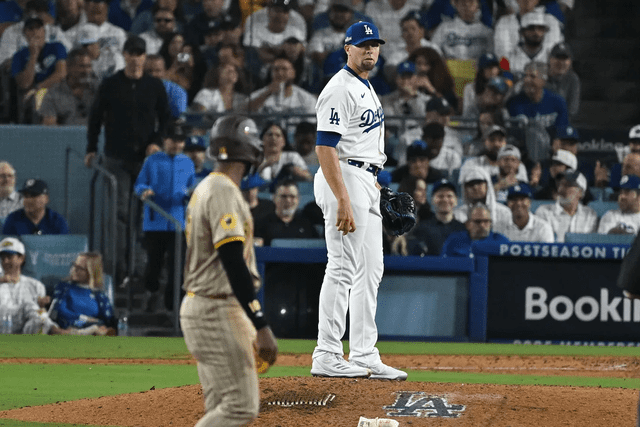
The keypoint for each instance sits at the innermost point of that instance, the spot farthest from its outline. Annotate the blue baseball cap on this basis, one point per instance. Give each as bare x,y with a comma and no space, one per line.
418,148
488,59
521,189
406,67
361,32
196,143
443,183
252,181
567,132
630,182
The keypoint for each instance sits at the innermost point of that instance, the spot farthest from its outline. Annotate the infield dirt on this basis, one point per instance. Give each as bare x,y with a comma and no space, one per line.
483,405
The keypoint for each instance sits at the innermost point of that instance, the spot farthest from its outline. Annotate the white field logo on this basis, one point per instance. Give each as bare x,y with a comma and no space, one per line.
367,30
585,308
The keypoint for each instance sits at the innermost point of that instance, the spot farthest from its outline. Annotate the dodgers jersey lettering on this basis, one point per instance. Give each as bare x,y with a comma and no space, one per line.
348,105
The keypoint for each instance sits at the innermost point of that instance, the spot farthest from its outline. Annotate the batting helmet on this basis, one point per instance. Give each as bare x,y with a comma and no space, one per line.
235,138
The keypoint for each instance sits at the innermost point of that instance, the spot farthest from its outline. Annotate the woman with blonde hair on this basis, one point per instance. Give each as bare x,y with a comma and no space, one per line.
81,307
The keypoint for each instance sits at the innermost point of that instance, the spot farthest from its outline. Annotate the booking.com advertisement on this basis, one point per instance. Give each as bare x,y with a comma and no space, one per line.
558,292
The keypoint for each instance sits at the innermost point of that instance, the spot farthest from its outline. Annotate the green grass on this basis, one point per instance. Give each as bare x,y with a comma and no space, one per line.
34,346
39,384
67,346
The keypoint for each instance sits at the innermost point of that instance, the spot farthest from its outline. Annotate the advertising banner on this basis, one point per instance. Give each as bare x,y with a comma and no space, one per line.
558,292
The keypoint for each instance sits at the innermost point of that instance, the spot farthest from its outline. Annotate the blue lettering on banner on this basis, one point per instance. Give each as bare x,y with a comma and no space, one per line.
559,250
371,119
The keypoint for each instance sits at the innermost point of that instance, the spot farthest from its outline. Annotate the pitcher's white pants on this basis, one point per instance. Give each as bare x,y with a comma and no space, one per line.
354,267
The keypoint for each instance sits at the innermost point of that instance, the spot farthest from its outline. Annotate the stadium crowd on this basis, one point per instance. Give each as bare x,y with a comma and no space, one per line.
501,66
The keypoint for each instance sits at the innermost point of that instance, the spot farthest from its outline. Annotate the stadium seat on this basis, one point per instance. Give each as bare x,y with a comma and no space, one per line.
601,207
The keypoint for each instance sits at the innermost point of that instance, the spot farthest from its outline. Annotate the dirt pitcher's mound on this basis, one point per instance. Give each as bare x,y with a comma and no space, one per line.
415,404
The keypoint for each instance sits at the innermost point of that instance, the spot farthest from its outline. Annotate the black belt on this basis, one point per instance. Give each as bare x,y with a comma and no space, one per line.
357,163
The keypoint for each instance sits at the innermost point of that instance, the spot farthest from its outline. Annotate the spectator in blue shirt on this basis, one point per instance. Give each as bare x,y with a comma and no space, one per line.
478,227
120,11
537,103
165,178
40,64
35,217
540,107
155,66
80,305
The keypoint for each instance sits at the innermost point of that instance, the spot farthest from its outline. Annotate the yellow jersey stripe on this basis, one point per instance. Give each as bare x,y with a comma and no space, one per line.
228,240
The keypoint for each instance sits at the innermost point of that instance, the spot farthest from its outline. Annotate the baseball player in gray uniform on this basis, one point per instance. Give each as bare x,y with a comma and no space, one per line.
220,313
350,148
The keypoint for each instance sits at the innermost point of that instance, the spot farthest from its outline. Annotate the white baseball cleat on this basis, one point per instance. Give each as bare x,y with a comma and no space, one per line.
380,371
334,365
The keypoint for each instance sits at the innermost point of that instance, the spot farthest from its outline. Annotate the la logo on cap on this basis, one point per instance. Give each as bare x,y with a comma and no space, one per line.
367,30
624,179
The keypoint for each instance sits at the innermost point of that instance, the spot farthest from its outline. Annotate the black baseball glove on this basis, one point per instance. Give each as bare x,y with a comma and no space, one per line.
398,211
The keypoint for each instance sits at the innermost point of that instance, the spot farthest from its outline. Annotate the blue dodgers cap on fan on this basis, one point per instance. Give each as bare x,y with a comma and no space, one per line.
252,181
567,132
521,189
630,182
196,143
488,59
406,67
443,183
361,32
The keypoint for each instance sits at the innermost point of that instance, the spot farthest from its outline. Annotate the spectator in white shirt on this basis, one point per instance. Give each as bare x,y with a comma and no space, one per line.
439,112
477,188
110,36
568,214
10,199
532,47
220,92
106,59
465,36
525,227
625,219
268,28
507,29
164,23
280,158
331,38
494,140
387,14
282,95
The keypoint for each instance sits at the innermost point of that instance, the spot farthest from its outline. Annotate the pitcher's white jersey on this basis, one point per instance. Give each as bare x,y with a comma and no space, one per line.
348,105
